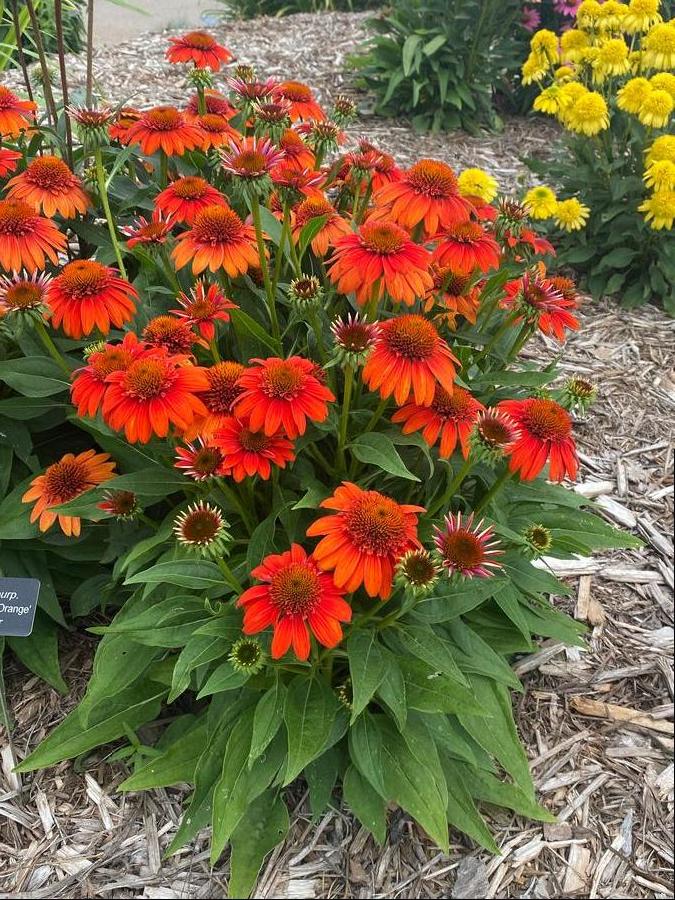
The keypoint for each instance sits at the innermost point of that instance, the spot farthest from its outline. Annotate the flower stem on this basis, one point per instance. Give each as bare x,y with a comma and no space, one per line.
497,485
503,328
344,415
520,341
285,228
454,485
51,348
201,100
235,501
377,415
255,211
163,169
103,191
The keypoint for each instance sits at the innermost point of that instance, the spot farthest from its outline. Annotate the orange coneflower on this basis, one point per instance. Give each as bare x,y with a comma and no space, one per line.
88,295
427,192
48,184
247,453
216,130
8,161
223,389
303,104
298,184
89,383
164,128
450,416
63,481
366,537
456,294
125,118
467,247
409,357
333,228
369,164
155,391
142,231
296,151
215,102
251,91
251,159
200,461
545,434
542,303
26,238
186,197
282,393
295,596
199,48
204,307
15,115
467,549
23,293
218,239
173,333
379,256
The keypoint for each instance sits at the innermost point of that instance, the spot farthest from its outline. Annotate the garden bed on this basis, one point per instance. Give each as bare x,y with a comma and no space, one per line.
65,832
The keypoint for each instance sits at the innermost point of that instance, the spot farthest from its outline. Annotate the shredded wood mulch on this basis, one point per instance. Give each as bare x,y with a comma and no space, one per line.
597,723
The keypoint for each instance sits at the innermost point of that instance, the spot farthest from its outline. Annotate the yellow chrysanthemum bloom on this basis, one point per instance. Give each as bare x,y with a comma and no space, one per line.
562,73
641,15
658,47
544,43
612,57
664,81
589,56
635,60
613,14
589,115
659,209
662,148
571,215
477,183
589,14
572,43
548,101
632,95
541,202
656,109
568,95
660,176
534,69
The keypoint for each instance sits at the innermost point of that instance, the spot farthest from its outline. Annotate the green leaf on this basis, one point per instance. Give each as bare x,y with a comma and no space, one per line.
223,678
118,663
200,649
392,690
434,44
378,450
475,655
33,376
264,825
246,326
425,644
461,811
410,46
309,232
175,765
366,804
484,786
269,713
321,775
452,598
39,652
432,691
196,574
366,668
309,713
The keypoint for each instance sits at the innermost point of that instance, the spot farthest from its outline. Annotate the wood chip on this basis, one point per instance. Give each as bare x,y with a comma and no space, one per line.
600,710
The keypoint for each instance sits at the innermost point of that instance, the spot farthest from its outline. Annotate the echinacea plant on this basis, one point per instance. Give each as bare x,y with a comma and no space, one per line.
262,407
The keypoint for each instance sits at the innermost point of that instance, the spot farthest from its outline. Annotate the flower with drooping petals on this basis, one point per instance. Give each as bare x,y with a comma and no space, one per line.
456,294
250,92
409,358
216,130
164,128
659,209
200,48
223,390
297,184
545,435
380,256
282,393
217,240
200,461
186,197
467,247
203,307
333,228
26,238
15,115
664,81
641,15
87,295
151,233
22,293
451,417
63,481
427,192
8,161
302,102
588,115
296,151
216,104
247,453
155,391
296,598
494,436
271,117
89,383
48,185
542,304
173,333
251,159
364,539
202,528
467,549
354,339
369,165
656,108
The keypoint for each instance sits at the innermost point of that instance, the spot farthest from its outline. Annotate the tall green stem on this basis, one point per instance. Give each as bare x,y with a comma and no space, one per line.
234,499
520,340
163,169
497,485
51,348
454,485
255,211
344,415
499,333
103,191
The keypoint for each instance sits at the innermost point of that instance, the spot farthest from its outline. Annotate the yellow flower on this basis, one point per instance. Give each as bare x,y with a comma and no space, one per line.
632,95
664,81
659,209
613,14
589,14
541,202
656,109
534,69
589,115
662,148
571,215
477,183
548,101
641,15
544,44
612,57
568,95
562,73
589,56
659,46
660,175
572,43
635,60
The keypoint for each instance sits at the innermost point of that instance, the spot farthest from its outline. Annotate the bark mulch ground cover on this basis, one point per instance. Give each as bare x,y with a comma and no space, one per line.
597,724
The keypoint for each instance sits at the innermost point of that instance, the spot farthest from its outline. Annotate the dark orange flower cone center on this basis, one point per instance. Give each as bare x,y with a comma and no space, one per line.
411,337
50,174
450,281
547,421
115,360
295,91
250,162
467,232
190,188
375,524
17,218
418,567
295,589
451,406
24,295
217,225
169,332
496,430
312,209
355,338
147,379
224,388
383,237
65,480
200,40
432,178
200,526
163,118
282,381
207,461
462,549
253,441
213,122
83,277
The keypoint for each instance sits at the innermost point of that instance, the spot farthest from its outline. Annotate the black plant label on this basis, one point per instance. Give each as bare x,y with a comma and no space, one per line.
18,602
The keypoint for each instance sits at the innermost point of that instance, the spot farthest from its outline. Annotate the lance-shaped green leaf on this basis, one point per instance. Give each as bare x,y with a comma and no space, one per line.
264,825
309,713
366,668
